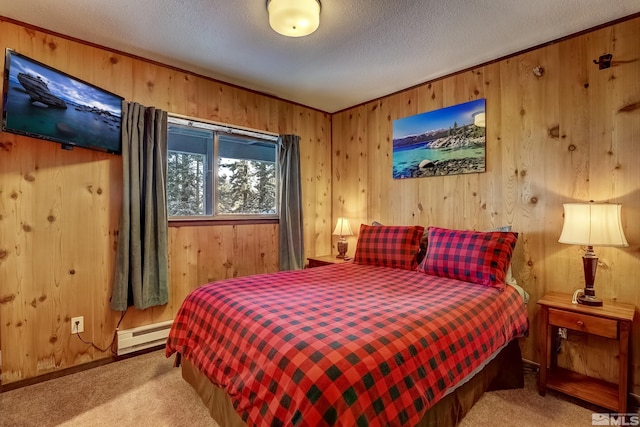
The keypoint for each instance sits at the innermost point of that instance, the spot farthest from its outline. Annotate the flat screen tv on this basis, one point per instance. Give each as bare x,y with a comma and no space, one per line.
45,103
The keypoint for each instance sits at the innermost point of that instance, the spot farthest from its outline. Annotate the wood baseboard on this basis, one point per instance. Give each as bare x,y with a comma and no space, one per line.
73,370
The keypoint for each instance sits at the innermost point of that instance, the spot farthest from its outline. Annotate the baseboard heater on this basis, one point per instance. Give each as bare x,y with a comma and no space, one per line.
143,337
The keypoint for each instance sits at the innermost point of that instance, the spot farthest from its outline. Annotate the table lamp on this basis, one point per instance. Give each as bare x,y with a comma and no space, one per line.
592,224
342,229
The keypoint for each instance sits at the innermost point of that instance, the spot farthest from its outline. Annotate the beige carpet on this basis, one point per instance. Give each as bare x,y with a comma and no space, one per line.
147,391
526,408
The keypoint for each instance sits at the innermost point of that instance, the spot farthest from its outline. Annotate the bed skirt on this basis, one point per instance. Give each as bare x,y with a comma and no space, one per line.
505,371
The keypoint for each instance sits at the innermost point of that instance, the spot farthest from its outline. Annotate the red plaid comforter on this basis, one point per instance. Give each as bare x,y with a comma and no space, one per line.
346,344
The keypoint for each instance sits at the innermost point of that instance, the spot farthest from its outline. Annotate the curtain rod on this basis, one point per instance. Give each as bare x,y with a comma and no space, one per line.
210,125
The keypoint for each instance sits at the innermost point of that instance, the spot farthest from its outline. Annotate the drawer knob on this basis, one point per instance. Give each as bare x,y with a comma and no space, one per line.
580,323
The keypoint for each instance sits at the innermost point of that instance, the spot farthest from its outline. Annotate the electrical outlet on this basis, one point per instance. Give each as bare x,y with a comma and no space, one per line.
562,333
77,325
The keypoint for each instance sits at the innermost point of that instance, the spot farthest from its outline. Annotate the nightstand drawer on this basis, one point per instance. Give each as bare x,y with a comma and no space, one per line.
318,263
607,328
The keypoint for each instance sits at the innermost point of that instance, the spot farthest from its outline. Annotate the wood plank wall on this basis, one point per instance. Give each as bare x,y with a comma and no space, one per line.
571,135
59,210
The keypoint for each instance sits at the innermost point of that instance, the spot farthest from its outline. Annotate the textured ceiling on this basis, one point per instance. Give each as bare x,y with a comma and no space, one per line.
362,50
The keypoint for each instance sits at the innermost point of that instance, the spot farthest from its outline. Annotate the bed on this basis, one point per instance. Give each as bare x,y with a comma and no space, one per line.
382,340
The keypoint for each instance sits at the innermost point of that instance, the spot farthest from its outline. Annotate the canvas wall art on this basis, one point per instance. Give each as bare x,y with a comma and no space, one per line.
447,141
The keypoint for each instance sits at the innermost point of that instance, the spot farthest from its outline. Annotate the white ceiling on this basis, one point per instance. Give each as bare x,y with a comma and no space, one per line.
363,49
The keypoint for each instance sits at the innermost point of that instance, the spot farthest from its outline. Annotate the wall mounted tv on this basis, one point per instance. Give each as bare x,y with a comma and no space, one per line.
45,103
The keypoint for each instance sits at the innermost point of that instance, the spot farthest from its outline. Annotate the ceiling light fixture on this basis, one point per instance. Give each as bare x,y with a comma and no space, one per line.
294,18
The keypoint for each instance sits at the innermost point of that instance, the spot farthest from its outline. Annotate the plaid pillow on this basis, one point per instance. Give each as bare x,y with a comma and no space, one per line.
422,250
472,256
510,279
388,246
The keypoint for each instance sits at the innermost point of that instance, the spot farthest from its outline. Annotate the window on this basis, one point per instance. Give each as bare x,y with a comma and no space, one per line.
216,171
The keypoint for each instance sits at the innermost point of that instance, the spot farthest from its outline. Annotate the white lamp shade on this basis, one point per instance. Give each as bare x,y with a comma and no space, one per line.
592,224
343,228
294,18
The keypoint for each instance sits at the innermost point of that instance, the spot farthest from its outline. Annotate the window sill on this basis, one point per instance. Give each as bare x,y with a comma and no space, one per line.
208,222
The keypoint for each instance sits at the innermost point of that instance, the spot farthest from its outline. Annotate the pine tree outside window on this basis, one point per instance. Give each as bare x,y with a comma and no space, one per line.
216,171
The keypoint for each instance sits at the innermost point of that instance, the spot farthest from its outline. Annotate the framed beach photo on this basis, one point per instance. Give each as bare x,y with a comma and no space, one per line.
448,141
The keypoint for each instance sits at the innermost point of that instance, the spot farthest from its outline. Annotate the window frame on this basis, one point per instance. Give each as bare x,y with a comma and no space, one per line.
216,129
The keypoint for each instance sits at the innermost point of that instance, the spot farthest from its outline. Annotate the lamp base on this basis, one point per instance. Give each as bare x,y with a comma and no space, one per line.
342,248
589,300
590,264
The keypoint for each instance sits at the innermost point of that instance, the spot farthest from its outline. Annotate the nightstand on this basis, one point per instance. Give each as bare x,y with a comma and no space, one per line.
319,261
613,321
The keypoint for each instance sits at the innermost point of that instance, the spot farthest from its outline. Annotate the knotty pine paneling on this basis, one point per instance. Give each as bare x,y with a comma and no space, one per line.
60,210
572,134
569,135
